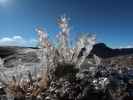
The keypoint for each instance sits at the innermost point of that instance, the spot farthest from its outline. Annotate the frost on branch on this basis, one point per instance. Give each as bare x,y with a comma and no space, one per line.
55,62
63,35
42,37
87,42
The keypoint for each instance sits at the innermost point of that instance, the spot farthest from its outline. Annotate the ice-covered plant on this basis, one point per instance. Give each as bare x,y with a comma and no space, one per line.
50,58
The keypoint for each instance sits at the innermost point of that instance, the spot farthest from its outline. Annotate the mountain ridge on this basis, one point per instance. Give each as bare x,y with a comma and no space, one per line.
103,51
99,49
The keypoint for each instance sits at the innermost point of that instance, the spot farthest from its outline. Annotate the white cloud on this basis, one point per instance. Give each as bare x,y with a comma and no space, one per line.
17,41
128,46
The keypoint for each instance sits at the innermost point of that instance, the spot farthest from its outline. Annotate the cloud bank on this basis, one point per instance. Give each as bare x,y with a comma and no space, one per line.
17,41
128,46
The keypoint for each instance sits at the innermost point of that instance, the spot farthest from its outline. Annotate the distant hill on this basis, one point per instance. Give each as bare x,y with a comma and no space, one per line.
12,55
104,51
6,51
100,49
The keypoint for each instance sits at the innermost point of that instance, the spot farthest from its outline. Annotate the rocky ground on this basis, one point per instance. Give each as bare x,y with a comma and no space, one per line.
111,80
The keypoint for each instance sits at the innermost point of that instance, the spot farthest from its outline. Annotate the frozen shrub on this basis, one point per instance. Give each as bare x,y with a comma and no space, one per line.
55,63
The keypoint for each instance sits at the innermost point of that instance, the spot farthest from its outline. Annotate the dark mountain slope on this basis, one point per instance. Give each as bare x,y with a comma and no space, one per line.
99,49
104,51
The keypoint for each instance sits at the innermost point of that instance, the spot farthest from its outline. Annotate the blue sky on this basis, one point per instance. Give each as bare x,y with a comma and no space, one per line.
111,20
